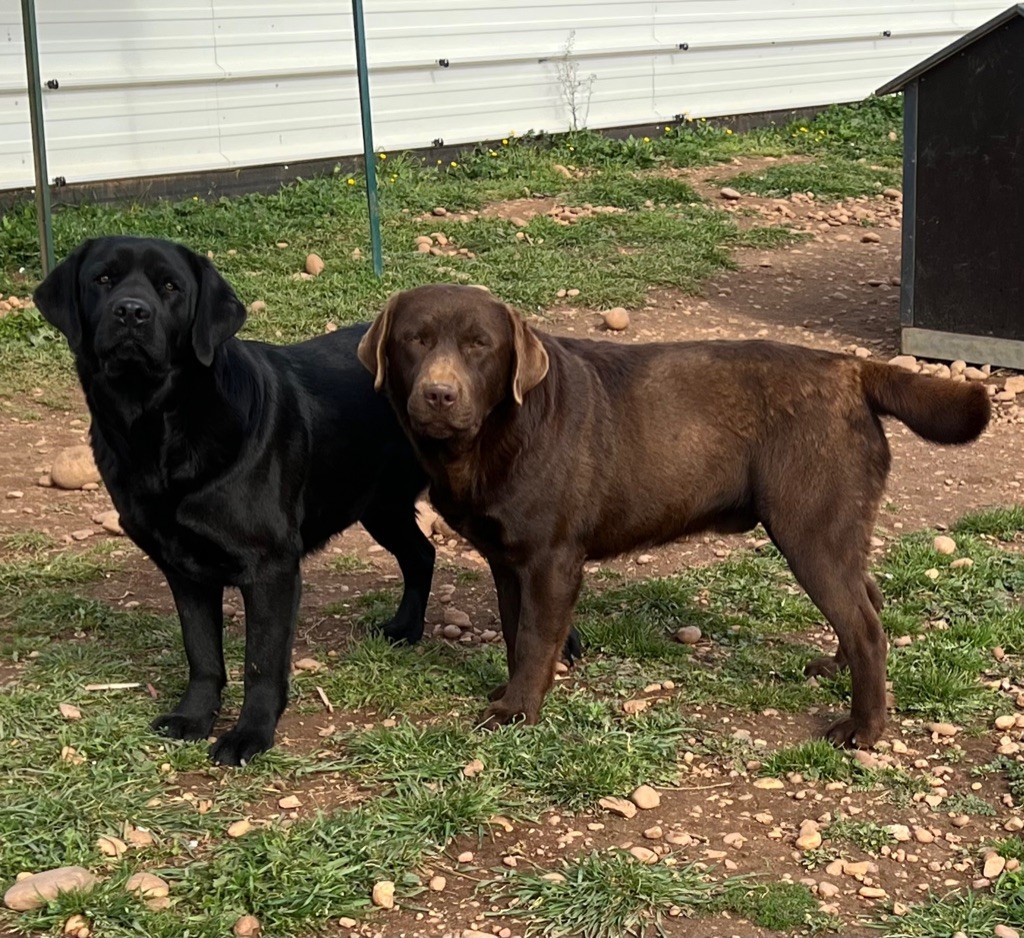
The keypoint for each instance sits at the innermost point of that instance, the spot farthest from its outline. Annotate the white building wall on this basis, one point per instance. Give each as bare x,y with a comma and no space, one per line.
169,86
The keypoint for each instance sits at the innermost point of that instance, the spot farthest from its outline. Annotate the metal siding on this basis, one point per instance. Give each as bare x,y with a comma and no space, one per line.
165,86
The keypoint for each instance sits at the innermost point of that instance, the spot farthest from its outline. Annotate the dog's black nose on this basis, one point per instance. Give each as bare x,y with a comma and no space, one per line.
441,395
133,312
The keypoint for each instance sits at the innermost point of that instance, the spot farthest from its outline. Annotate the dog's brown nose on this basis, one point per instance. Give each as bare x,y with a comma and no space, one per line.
441,396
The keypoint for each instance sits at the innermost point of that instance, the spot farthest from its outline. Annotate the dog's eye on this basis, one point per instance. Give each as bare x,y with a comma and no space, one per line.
170,286
103,279
478,342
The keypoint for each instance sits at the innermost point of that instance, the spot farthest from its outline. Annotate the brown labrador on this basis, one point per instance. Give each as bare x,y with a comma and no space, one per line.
545,452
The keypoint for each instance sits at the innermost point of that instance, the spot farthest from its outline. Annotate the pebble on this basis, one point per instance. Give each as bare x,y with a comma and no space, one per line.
810,836
994,865
111,846
465,857
645,798
346,922
891,193
451,631
147,885
472,768
827,890
731,194
616,319
974,374
289,803
1004,931
1005,722
961,563
871,892
769,784
619,806
437,883
644,854
633,707
653,833
943,729
383,895
944,544
74,467
1014,384
77,926
308,664
870,237
71,712
899,832
239,828
453,616
688,635
906,362
314,265
439,211
34,891
248,926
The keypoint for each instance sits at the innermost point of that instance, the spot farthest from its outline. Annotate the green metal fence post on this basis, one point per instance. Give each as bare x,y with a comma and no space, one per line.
364,110
44,220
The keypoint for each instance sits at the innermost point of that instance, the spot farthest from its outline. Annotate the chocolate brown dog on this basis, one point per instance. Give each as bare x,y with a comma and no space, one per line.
545,451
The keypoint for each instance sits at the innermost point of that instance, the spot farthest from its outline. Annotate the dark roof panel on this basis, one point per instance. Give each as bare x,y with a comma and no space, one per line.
898,84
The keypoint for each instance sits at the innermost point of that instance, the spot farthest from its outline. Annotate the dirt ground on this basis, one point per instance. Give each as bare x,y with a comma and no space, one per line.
833,291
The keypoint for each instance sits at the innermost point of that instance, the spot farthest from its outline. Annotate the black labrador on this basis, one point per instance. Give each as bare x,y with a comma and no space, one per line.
228,460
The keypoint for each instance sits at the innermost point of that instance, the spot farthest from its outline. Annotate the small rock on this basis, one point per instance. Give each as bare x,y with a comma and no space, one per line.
619,806
257,306
77,926
83,534
944,544
870,237
239,828
34,891
383,895
44,481
111,846
147,885
974,374
1005,722
289,803
346,922
439,211
562,171
140,838
314,265
453,616
645,798
943,729
994,865
74,467
906,362
465,857
961,562
1004,931
891,193
899,832
473,768
633,707
862,352
688,635
731,194
616,319
1014,384
308,664
451,632
437,883
644,855
867,759
248,926
653,833
871,892
15,494
810,836
71,712
827,890
769,784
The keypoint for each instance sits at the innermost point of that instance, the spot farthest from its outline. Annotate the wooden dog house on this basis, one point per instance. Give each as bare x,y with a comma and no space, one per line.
963,197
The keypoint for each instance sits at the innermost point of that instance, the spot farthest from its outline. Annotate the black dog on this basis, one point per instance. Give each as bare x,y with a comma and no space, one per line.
229,460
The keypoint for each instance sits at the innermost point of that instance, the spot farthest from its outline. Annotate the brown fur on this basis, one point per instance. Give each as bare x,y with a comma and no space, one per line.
615,447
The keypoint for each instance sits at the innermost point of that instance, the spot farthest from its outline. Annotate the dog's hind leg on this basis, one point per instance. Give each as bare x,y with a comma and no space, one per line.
831,665
393,526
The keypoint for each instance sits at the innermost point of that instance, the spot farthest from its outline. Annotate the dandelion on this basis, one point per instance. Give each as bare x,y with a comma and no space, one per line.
647,139
383,156
493,152
504,141
728,132
453,164
803,130
350,181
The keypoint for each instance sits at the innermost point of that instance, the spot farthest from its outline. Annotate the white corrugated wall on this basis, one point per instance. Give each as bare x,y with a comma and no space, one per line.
168,86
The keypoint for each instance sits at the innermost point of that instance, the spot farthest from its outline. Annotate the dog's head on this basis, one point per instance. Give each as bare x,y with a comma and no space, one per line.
449,355
139,307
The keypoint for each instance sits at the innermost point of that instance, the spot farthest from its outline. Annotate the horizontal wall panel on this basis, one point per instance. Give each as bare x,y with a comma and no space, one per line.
155,87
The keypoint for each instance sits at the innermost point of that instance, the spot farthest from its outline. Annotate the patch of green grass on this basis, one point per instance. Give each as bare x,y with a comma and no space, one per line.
348,563
866,835
816,760
606,895
37,567
965,802
972,912
782,907
1002,523
827,179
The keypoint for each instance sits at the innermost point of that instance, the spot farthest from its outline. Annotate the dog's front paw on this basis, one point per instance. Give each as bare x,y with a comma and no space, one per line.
183,725
854,733
402,631
502,712
237,746
825,666
572,651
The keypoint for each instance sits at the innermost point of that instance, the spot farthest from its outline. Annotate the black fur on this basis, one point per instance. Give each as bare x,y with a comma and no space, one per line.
228,460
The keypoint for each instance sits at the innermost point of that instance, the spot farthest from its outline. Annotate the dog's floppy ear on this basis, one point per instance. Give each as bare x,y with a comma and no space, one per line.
372,351
530,360
57,297
219,314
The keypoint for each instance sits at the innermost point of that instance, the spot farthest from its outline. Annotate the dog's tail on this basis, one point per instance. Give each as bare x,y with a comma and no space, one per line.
937,409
